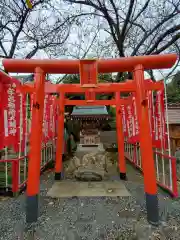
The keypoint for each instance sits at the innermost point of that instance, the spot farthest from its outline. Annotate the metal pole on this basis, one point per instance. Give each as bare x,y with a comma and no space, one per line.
167,117
169,144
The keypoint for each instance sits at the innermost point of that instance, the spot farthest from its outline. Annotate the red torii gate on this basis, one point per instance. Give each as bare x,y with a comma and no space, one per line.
89,70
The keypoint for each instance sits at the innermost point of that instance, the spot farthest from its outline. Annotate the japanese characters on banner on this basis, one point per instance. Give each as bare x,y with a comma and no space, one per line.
1,117
164,126
156,120
31,108
151,113
45,119
52,117
11,102
161,138
14,118
132,121
135,137
49,117
123,110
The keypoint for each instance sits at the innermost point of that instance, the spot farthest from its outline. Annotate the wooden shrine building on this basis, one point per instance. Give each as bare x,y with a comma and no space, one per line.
91,119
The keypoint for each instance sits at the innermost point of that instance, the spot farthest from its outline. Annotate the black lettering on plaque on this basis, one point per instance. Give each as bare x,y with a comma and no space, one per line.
36,105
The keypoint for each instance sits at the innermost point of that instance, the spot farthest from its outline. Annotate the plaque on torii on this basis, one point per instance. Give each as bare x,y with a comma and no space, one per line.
88,77
88,69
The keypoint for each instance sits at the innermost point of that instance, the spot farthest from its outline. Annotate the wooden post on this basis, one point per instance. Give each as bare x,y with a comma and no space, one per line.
120,139
60,139
35,149
146,148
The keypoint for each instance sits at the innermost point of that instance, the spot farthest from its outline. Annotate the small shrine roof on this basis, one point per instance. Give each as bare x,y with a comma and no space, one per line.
93,111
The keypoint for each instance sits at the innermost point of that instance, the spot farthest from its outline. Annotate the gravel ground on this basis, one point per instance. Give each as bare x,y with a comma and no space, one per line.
89,218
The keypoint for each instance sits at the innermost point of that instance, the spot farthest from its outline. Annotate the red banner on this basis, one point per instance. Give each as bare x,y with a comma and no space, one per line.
23,121
135,137
48,115
124,122
164,126
56,114
161,138
1,117
11,116
31,108
130,122
51,118
46,118
151,114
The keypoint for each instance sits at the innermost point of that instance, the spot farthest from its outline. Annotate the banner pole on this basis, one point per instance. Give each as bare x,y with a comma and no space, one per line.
167,117
26,136
169,144
20,136
6,167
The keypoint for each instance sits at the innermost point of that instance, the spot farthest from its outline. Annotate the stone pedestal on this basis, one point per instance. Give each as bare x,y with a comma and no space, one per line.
90,137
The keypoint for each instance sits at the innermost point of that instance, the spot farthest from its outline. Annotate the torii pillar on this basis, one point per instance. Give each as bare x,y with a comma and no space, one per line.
60,138
34,163
120,139
146,147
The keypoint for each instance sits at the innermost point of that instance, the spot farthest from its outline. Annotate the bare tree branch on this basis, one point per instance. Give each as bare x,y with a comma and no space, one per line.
146,35
133,21
135,27
131,4
162,36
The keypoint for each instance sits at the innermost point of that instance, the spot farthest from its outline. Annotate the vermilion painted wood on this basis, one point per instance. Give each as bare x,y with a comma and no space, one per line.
103,65
89,102
6,79
34,163
144,133
88,75
96,102
60,136
120,136
101,88
88,71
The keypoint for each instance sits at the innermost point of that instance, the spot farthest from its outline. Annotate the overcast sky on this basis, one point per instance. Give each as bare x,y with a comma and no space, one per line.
78,40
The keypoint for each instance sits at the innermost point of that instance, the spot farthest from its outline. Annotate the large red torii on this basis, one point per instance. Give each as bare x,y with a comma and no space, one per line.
103,65
89,70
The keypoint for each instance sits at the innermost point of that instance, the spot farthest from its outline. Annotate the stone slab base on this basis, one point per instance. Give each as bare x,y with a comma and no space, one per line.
88,189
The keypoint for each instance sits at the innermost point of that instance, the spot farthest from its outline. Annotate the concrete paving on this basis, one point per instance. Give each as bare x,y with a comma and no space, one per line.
88,189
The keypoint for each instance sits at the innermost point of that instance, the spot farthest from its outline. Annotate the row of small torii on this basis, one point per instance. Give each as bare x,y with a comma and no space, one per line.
88,70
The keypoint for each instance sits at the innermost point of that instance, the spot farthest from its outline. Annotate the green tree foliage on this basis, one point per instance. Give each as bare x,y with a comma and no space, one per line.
75,78
71,78
173,89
